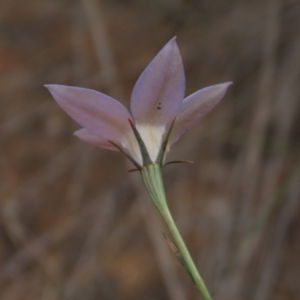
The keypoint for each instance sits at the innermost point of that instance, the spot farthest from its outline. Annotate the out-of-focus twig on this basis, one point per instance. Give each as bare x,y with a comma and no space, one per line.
271,265
79,47
103,216
252,165
104,52
255,231
286,112
262,113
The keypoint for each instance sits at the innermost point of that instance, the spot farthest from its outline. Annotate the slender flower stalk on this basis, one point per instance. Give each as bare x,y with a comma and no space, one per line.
159,116
152,178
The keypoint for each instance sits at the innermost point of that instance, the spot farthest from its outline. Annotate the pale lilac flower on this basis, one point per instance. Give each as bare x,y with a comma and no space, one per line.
159,113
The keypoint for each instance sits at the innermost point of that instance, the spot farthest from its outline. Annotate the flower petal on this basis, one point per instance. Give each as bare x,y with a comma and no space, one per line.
100,114
93,110
159,91
94,139
157,95
195,107
129,147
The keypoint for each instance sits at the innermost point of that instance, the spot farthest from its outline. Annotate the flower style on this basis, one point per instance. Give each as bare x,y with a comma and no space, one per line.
159,112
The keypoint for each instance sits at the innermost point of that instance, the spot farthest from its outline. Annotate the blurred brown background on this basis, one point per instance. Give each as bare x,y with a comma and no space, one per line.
75,225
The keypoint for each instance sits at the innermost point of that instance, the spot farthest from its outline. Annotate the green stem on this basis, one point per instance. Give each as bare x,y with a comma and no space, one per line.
152,178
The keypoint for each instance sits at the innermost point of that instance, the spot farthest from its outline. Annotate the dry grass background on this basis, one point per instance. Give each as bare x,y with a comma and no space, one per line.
74,225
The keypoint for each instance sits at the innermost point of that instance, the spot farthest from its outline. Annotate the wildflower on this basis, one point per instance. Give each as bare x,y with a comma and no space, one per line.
159,113
159,116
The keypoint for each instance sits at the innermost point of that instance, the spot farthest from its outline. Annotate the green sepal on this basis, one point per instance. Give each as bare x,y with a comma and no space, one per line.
178,162
161,154
129,157
145,155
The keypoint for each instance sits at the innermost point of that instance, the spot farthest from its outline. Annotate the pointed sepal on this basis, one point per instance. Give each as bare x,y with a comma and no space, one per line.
163,149
145,155
128,156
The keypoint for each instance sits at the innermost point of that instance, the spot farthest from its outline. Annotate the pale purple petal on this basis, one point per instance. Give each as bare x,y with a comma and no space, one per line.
99,113
127,143
195,107
94,139
104,118
159,91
